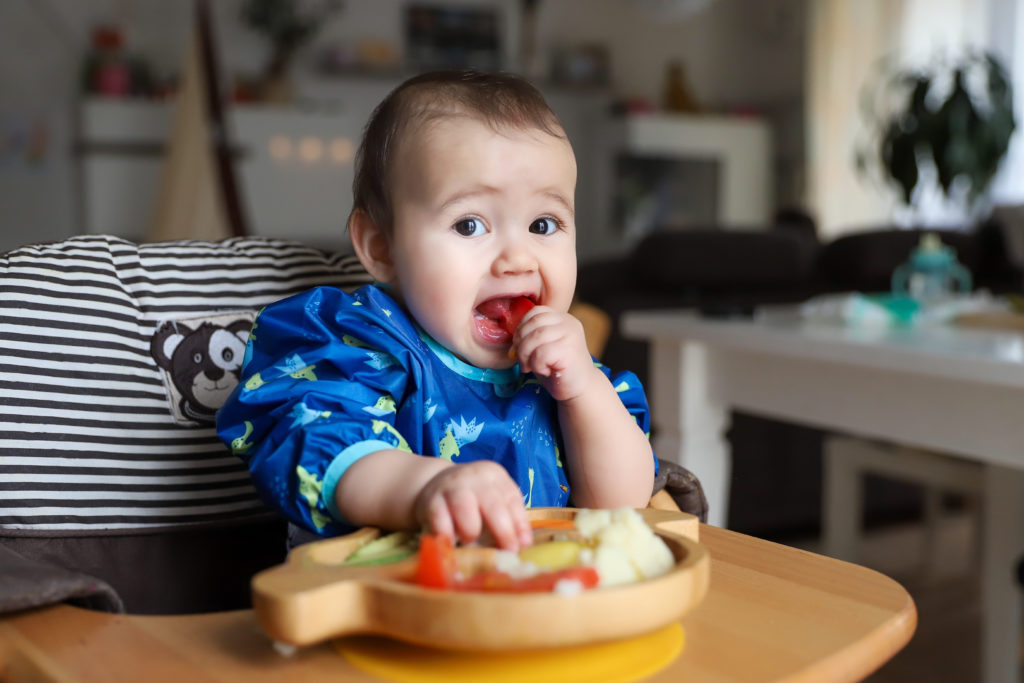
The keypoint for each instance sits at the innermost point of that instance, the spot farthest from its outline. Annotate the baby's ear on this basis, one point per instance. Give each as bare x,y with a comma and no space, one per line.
371,245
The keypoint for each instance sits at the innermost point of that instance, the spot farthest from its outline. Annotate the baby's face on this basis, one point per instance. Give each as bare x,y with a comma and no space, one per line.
480,215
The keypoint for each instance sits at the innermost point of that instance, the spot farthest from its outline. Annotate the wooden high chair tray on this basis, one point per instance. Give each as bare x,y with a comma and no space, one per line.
313,597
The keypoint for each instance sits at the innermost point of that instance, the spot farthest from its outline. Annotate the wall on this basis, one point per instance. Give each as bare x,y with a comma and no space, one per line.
738,54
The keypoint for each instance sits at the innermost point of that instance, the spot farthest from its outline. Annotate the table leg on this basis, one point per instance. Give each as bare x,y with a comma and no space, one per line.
689,421
1002,546
842,498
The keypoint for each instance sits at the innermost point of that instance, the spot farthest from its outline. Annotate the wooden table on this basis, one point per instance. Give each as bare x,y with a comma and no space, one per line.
772,613
944,388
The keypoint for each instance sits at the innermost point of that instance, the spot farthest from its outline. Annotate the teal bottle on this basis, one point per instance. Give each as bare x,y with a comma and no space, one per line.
931,273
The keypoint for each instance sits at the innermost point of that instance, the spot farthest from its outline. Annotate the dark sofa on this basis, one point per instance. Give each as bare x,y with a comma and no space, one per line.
776,487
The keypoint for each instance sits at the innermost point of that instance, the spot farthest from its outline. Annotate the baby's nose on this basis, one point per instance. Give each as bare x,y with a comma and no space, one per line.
516,257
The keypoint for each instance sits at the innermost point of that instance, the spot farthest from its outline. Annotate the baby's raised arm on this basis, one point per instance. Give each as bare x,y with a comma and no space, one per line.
609,457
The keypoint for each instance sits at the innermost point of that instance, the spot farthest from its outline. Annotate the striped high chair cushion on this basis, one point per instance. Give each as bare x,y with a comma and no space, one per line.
113,360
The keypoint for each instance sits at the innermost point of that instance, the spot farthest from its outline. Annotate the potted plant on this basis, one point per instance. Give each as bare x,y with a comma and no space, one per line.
287,25
951,121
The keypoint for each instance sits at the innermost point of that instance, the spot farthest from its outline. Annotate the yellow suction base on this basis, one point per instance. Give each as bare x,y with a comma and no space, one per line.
619,661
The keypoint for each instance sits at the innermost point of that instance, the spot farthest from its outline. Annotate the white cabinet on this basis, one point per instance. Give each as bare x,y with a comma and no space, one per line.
120,153
665,171
294,168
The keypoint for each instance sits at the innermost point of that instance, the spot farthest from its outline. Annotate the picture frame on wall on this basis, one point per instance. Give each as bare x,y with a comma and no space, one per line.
587,65
444,37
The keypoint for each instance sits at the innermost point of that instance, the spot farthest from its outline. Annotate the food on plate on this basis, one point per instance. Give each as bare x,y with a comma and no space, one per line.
435,562
570,580
436,568
604,548
597,548
384,550
625,549
542,524
554,554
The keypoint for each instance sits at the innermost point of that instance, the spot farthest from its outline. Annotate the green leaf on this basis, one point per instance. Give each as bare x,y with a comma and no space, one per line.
998,87
965,134
919,95
900,155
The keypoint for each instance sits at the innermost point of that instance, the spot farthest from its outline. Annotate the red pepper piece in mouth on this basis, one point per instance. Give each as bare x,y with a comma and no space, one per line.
517,309
506,313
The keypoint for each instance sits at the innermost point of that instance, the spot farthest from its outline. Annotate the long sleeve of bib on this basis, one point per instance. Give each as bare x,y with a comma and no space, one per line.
315,395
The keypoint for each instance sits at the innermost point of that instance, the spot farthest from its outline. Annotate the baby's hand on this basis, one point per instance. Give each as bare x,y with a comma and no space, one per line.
459,500
552,345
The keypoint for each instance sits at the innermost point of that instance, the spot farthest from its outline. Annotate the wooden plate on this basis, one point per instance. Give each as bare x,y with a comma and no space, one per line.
313,597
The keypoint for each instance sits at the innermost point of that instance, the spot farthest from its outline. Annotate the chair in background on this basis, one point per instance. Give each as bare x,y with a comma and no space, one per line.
597,326
847,460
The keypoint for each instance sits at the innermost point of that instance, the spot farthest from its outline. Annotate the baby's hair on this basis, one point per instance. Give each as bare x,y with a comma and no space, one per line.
497,99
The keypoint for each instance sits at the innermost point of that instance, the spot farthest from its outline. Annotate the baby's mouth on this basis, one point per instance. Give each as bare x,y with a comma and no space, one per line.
497,319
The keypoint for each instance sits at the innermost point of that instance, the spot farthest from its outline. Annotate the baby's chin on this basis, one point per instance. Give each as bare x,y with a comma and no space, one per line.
495,358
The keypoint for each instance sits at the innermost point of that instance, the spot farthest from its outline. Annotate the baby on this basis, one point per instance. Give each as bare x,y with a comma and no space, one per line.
409,403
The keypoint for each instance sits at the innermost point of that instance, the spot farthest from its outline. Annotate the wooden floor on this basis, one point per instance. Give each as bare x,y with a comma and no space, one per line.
946,646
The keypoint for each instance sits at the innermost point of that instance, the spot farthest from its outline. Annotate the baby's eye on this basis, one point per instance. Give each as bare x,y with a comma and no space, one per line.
544,226
470,227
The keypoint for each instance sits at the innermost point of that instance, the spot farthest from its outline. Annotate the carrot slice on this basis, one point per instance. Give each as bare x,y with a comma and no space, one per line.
552,524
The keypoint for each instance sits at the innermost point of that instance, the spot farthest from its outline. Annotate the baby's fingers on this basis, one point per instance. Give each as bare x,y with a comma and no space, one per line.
537,318
527,347
439,519
547,360
464,509
505,516
521,524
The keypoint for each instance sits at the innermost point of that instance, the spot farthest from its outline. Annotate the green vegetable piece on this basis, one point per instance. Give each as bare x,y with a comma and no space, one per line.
387,549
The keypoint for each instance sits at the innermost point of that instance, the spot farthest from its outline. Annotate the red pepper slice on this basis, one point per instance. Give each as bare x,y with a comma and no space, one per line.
435,568
435,562
517,308
495,581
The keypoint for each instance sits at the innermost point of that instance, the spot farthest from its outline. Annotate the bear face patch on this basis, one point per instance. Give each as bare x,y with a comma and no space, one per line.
201,361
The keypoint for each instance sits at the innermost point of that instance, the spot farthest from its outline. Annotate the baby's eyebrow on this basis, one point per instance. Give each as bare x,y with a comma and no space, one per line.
468,194
558,197
481,190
